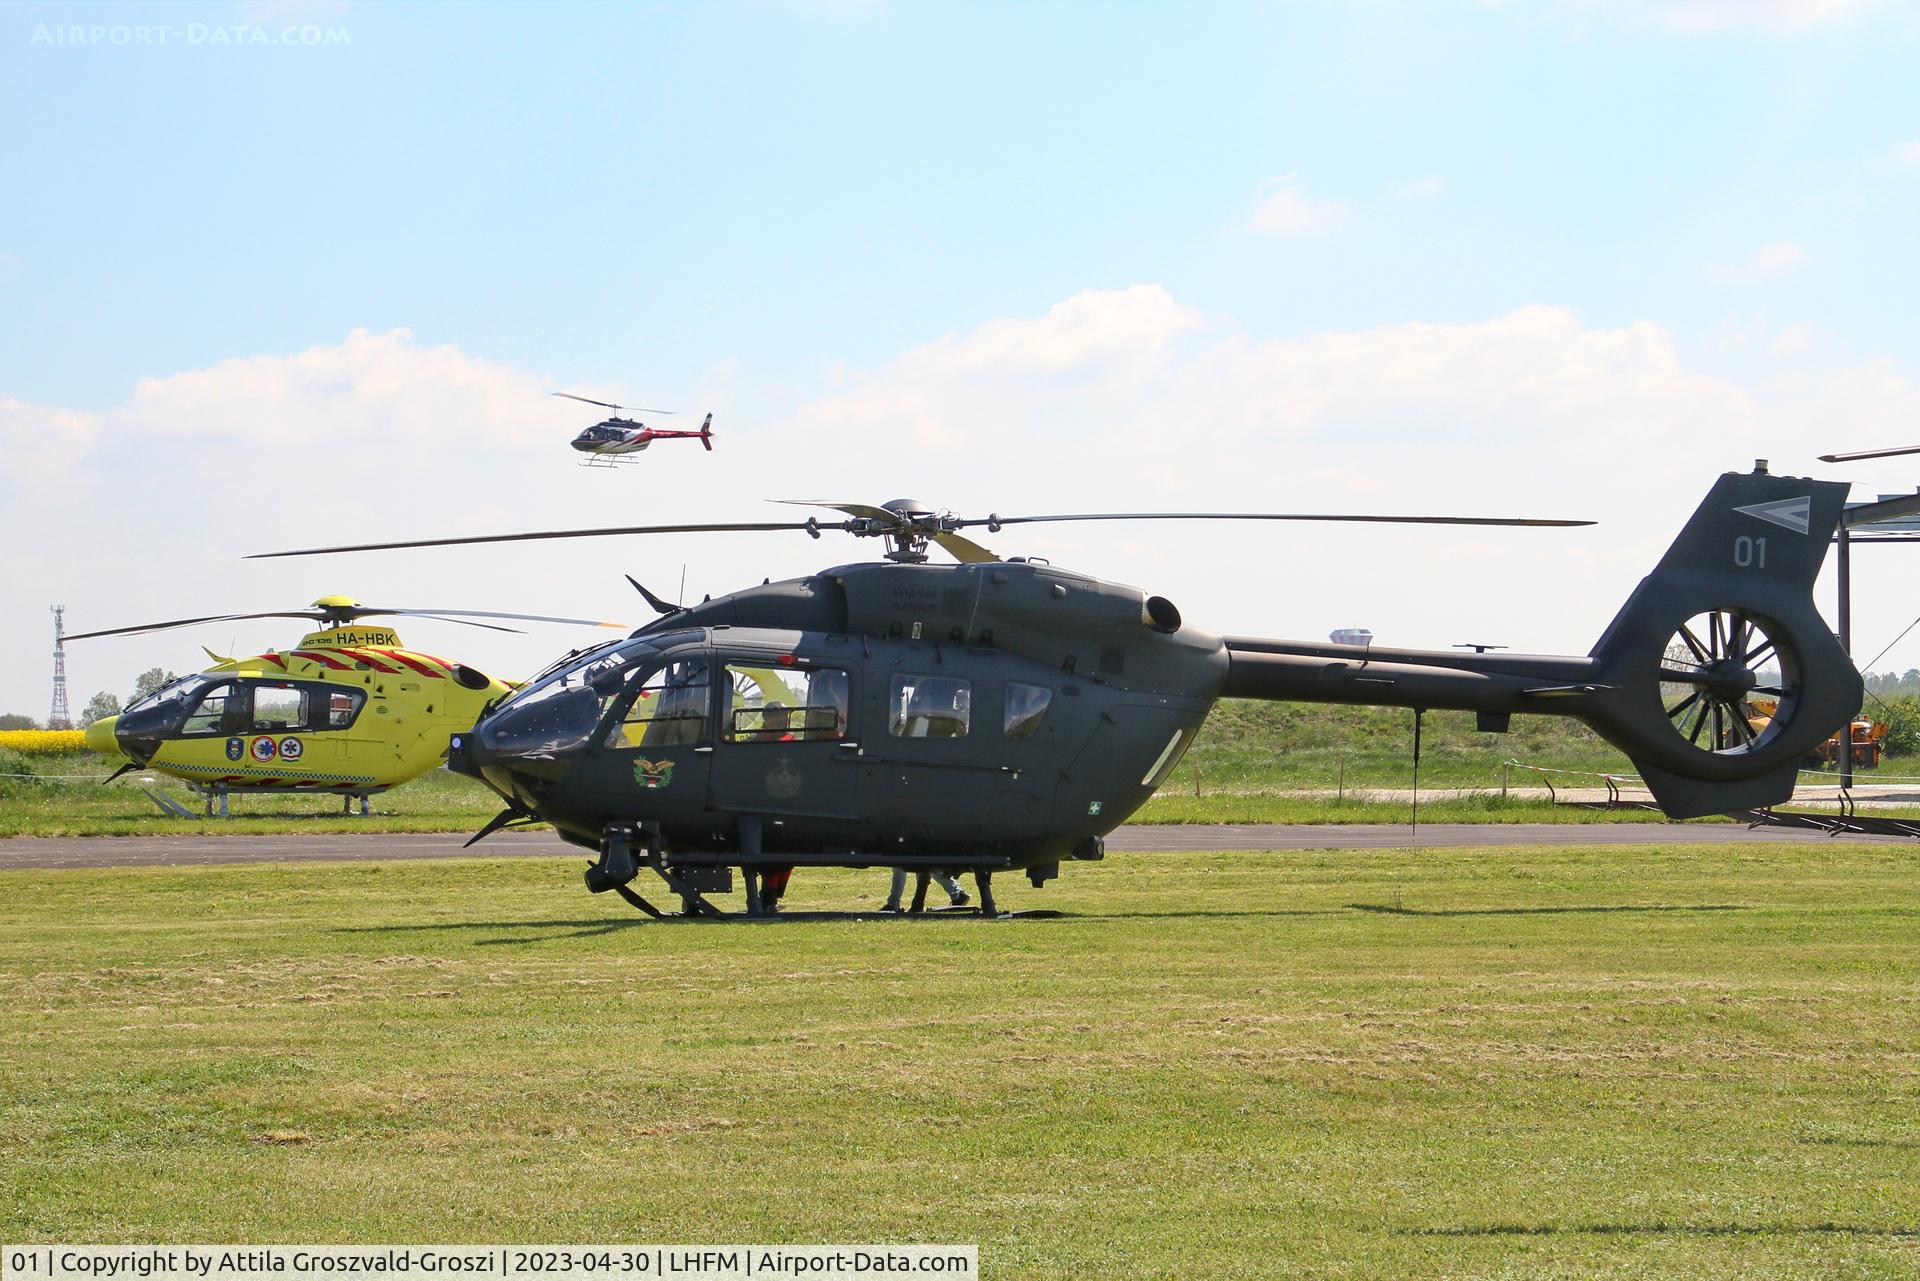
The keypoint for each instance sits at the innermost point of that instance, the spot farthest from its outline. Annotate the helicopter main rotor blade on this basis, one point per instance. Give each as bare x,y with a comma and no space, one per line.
963,549
310,614
465,623
737,527
866,511
461,615
994,521
607,404
1870,453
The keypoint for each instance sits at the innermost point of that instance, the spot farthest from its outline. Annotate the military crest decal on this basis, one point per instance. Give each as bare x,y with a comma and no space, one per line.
653,775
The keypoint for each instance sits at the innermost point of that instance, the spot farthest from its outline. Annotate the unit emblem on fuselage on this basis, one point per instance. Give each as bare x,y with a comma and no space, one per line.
784,781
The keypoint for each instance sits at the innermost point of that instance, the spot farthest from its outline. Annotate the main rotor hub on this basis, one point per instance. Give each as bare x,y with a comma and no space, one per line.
909,526
337,611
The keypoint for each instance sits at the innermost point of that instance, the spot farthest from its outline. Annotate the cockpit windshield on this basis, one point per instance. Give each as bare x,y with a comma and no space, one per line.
559,710
183,690
587,667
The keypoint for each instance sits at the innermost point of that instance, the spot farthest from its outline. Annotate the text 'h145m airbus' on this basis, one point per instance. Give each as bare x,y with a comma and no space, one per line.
999,715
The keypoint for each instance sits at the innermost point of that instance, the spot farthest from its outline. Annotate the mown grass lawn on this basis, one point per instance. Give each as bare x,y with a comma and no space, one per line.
1635,1061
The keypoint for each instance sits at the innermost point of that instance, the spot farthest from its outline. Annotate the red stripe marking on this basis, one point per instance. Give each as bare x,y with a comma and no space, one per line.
416,665
321,659
360,656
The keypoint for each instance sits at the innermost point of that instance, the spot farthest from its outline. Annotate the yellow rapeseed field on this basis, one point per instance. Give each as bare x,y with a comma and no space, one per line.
43,742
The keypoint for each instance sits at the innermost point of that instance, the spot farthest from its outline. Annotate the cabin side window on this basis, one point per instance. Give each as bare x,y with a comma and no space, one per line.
279,707
343,707
1026,707
786,702
929,707
221,710
670,707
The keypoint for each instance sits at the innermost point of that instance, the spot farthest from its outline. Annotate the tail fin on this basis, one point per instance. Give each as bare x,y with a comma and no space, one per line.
706,434
1725,619
1728,613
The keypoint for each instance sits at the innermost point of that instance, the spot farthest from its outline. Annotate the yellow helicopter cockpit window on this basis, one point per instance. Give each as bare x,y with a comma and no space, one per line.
221,709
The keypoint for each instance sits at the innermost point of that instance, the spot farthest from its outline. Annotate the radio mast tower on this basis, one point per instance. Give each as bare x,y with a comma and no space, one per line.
59,718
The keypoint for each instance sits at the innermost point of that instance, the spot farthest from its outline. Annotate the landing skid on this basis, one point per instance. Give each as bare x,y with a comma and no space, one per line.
619,864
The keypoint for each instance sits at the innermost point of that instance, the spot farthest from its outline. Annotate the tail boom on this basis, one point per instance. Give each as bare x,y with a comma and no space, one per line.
1747,562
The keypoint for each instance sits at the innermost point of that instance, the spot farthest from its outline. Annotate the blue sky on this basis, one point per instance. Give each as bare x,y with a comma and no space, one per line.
772,208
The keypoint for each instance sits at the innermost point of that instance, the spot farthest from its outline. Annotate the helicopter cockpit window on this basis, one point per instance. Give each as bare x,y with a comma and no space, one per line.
1026,708
929,707
670,708
182,689
221,710
786,702
559,711
279,707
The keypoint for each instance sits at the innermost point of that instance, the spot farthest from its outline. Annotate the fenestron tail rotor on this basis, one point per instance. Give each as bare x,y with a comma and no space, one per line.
909,525
340,611
1717,666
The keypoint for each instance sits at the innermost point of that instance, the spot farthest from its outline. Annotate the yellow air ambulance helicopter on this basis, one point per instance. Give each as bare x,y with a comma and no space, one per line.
348,711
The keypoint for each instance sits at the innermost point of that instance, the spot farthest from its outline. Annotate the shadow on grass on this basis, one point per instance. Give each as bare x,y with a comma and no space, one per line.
574,929
1660,1227
607,925
1218,914
1386,909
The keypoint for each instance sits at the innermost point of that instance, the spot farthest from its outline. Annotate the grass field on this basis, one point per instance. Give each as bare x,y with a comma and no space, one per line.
1558,1062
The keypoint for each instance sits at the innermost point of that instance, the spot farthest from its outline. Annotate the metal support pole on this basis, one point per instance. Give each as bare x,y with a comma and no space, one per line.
1846,643
1419,714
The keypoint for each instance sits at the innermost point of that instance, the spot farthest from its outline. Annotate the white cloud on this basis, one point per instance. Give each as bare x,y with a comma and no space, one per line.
1907,154
1769,262
1794,340
1285,209
1705,16
1122,399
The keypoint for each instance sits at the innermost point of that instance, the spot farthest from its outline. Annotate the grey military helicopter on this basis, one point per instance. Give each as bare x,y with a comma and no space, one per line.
1005,715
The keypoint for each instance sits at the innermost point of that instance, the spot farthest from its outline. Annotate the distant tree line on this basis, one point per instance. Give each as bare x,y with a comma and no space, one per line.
1886,684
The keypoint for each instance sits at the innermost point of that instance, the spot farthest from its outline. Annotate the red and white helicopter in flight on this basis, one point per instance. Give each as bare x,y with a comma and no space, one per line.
615,440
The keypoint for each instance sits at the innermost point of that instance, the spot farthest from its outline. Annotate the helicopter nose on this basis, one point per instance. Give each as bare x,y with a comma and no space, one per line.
101,739
582,444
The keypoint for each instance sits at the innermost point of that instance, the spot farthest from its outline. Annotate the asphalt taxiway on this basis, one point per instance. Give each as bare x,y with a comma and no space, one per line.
53,852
